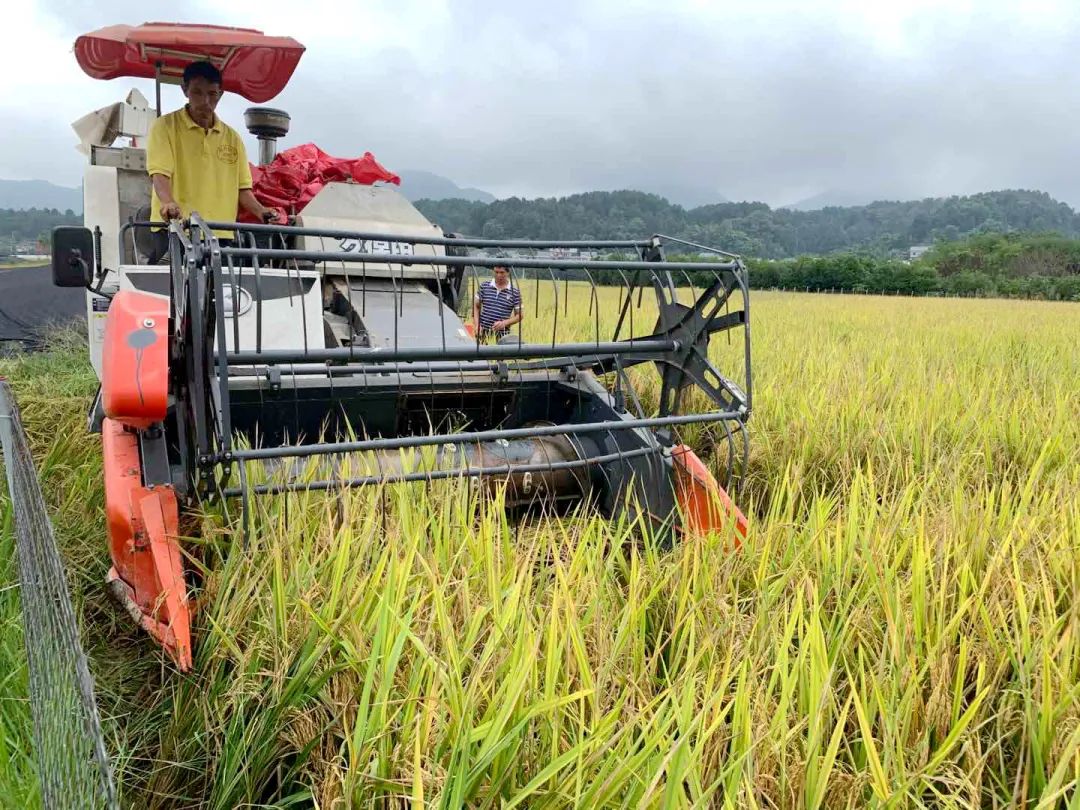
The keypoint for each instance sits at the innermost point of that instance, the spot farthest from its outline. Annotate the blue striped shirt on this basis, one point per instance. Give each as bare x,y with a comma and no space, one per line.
497,305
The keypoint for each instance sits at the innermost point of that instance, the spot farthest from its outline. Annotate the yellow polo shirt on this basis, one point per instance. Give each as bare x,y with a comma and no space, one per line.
208,168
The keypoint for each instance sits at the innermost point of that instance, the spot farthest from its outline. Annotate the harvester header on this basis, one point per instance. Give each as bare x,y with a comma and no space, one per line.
334,352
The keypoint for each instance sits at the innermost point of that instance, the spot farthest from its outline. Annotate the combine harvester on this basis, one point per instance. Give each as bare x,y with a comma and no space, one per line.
338,337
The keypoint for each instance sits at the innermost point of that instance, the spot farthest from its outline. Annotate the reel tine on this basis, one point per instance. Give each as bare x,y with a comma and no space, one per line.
352,310
460,371
690,284
330,380
258,293
393,301
441,307
517,286
745,469
555,320
594,304
303,298
296,400
222,411
401,298
625,306
461,380
475,292
718,279
727,311
635,401
730,439
363,288
245,507
288,276
236,303
661,287
344,266
442,327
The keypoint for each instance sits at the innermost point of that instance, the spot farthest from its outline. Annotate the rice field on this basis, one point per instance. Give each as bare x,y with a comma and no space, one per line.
900,630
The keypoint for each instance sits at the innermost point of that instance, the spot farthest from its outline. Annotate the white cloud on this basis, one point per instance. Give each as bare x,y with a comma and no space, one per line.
768,100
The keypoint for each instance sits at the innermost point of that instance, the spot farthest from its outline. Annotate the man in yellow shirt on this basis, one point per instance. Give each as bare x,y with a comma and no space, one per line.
197,163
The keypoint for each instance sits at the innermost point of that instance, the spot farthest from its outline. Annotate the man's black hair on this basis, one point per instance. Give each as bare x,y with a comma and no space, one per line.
202,70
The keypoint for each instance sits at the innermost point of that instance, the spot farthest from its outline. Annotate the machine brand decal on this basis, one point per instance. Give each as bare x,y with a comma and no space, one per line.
100,305
375,246
239,307
226,153
140,339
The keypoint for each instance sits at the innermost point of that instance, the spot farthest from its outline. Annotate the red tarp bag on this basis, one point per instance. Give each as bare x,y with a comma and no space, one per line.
295,176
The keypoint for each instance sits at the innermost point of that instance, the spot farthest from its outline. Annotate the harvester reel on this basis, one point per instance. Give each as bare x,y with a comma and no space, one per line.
692,327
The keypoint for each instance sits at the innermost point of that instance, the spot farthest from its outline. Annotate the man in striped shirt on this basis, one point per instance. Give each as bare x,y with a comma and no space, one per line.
497,306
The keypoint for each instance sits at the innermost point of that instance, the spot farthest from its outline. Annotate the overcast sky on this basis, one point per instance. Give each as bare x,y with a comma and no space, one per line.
773,100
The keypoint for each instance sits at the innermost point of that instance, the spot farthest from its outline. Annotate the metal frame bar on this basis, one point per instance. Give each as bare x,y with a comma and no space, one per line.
401,442
435,475
706,248
652,346
473,261
447,241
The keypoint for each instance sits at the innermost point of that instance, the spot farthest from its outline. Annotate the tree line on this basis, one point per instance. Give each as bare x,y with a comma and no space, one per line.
1008,243
1045,266
1006,265
883,229
19,225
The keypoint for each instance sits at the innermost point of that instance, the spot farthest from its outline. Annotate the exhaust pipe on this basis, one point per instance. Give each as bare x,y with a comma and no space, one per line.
267,124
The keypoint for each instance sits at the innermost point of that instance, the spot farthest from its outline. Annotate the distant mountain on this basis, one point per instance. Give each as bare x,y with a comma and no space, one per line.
688,196
421,185
415,185
23,194
830,199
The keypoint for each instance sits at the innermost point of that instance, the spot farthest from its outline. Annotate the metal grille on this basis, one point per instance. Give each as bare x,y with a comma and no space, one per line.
72,764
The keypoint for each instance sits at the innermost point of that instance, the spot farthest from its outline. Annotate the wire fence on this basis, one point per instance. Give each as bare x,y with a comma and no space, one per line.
72,764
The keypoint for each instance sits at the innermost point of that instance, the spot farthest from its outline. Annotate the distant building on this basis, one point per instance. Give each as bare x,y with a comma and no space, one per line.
915,251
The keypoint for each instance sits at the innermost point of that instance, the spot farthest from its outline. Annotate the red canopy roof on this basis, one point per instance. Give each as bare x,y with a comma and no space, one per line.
253,65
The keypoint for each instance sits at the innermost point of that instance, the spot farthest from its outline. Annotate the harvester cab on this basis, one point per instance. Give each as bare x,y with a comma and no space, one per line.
339,340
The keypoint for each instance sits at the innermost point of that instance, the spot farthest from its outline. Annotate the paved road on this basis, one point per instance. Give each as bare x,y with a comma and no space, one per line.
29,302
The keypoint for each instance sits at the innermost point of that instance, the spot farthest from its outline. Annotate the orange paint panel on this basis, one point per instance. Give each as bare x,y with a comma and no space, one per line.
705,505
143,528
123,475
135,359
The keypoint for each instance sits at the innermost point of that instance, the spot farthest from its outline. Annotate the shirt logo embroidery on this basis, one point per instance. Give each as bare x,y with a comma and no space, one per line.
227,154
